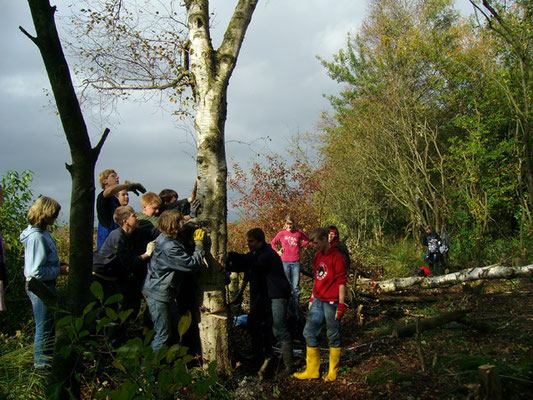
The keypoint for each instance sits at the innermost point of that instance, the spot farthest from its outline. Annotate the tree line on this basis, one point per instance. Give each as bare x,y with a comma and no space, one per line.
431,127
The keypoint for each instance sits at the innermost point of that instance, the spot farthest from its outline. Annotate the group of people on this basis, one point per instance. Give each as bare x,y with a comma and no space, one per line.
146,254
274,276
138,255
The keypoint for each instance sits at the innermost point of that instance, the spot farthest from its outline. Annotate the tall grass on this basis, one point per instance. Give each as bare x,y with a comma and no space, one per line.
18,379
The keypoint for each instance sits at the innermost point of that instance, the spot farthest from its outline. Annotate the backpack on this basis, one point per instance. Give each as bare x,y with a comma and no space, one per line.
444,241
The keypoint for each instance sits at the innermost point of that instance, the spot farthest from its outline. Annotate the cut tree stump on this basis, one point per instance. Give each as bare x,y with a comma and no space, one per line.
489,379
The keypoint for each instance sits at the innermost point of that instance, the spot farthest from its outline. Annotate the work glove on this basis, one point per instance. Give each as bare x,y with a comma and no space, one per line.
198,237
195,205
135,187
150,248
340,311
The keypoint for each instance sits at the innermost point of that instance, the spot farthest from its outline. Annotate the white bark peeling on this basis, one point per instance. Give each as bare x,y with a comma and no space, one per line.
465,275
210,72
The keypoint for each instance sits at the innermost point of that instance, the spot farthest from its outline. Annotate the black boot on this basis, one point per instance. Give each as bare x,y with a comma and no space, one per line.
288,360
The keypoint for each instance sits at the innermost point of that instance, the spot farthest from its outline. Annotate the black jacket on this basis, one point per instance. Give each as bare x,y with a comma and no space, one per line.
265,271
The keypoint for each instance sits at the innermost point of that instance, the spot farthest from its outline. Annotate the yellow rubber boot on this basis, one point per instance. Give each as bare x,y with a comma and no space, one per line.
334,359
312,365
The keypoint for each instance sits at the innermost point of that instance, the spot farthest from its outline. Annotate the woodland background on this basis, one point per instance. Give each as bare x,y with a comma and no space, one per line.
433,126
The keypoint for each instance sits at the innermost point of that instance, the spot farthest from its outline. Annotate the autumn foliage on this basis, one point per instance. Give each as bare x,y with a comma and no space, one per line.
270,190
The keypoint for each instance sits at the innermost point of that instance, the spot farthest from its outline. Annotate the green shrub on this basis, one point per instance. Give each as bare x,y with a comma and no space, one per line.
17,199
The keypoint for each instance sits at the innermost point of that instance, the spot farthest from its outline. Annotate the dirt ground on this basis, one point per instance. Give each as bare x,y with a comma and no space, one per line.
376,366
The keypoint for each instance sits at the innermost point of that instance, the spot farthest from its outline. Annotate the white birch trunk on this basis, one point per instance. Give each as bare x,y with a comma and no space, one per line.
210,72
465,275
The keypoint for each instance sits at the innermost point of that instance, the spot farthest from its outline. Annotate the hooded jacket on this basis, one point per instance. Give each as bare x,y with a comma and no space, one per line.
329,272
41,260
169,261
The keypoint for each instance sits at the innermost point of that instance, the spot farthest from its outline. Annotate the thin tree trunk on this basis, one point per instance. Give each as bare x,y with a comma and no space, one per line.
82,199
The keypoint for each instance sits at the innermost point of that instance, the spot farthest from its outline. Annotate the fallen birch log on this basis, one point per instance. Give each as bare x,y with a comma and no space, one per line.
465,275
429,323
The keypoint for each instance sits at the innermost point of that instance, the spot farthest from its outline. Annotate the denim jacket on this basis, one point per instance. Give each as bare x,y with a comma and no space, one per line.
169,261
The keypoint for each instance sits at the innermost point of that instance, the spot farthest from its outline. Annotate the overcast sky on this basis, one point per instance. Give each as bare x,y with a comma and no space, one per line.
275,91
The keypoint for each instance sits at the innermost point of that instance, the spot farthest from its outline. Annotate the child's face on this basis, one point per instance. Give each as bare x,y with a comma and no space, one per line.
289,225
332,236
320,244
112,179
132,221
151,209
253,244
123,197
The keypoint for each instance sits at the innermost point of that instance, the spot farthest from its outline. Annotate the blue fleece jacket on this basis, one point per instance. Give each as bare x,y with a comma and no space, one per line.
41,260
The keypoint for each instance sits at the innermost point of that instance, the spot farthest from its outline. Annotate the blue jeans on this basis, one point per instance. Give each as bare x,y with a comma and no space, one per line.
292,272
165,318
279,321
44,324
320,311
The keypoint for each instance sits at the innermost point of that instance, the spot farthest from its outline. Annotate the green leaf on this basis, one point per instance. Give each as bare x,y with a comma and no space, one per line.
112,314
97,290
172,353
65,321
78,324
83,333
102,323
89,308
148,337
163,381
65,351
123,315
117,364
184,323
113,299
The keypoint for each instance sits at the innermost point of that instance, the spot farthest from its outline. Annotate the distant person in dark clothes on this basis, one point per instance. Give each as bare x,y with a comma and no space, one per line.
188,206
433,257
269,295
116,262
107,202
333,238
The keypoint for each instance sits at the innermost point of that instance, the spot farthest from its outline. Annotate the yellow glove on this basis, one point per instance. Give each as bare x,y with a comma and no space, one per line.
198,235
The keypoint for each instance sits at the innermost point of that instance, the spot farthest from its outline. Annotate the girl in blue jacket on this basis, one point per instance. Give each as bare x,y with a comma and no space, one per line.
165,272
41,262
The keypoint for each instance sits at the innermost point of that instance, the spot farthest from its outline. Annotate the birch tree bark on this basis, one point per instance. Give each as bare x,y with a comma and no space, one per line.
210,72
472,274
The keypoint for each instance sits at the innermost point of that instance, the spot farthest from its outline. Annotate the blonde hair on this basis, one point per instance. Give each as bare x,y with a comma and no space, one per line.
43,211
122,213
170,223
103,175
290,218
150,198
